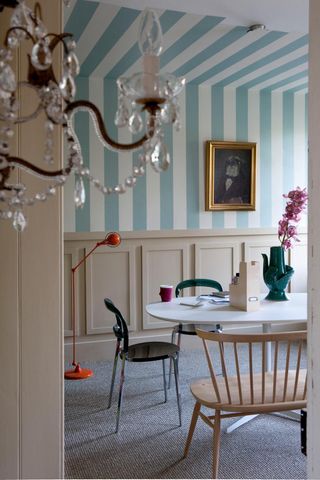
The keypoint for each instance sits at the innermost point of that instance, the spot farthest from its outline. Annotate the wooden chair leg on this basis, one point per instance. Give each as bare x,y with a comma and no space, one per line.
193,423
216,444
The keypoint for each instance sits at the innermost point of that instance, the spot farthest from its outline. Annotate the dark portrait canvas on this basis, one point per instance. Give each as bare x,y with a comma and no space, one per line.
228,188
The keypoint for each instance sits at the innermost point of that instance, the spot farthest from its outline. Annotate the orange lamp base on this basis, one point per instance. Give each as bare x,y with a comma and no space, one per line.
78,373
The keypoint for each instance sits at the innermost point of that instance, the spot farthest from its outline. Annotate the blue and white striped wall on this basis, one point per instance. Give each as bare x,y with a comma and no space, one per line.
245,87
276,121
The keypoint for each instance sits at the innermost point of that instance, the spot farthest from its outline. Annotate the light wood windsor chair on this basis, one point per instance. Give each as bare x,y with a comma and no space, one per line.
247,388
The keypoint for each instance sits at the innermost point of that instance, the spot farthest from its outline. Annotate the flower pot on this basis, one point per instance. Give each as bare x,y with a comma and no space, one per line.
276,274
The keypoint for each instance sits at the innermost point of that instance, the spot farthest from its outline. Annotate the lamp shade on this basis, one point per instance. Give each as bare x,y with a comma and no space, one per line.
112,239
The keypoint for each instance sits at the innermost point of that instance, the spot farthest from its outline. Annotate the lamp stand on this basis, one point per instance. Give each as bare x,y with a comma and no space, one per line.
112,239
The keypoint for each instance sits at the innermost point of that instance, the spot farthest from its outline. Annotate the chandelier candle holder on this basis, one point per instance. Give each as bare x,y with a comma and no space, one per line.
148,91
112,239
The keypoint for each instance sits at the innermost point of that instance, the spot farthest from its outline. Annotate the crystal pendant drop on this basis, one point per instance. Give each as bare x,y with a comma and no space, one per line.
67,87
19,221
167,113
71,63
130,181
49,126
160,158
7,78
4,95
12,40
119,189
138,171
145,158
41,57
79,193
135,123
21,17
121,117
71,45
3,163
40,30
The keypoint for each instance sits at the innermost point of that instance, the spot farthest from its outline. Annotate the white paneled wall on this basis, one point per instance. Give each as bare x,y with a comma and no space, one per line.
110,273
162,264
130,276
217,260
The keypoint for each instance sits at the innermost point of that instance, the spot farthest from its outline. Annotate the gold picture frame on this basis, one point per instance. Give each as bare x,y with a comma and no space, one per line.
230,176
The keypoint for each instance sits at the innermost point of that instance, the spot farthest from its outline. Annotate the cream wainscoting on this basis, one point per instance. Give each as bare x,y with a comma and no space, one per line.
131,274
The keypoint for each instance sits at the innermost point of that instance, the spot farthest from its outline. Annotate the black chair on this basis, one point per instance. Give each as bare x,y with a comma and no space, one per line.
139,352
190,329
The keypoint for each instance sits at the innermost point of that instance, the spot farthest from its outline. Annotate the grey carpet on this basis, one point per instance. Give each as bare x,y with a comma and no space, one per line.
150,443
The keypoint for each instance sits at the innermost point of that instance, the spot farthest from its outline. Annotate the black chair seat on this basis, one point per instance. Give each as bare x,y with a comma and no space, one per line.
150,351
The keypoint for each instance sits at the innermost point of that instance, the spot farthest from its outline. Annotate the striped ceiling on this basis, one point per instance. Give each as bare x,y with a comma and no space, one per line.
207,50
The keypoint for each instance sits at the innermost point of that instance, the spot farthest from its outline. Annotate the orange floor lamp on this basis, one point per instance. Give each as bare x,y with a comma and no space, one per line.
112,239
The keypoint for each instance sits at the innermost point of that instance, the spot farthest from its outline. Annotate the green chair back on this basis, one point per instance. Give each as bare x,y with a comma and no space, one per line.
198,282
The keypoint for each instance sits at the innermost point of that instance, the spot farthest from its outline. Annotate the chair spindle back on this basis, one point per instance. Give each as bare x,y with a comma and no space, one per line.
247,378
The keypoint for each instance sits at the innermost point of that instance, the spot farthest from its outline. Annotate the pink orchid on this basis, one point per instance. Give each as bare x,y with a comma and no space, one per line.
296,204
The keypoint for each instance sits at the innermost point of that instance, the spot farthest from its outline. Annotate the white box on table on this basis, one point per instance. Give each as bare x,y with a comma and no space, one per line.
245,295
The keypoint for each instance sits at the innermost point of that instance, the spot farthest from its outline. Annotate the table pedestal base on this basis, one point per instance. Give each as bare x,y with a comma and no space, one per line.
290,415
240,422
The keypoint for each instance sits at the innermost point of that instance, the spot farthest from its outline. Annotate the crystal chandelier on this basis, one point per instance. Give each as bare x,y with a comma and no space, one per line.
148,91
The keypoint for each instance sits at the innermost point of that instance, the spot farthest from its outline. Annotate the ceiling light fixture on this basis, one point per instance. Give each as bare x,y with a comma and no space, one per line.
256,26
148,91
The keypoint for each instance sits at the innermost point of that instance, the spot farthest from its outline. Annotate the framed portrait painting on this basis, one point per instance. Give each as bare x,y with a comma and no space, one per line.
230,175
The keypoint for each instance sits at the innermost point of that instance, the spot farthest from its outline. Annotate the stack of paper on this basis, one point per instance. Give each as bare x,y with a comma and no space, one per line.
192,303
219,300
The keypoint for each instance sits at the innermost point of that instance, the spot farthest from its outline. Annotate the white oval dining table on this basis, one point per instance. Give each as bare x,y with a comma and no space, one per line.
270,313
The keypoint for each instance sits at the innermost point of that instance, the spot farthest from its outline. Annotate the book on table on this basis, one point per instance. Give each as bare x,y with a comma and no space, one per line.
216,297
224,294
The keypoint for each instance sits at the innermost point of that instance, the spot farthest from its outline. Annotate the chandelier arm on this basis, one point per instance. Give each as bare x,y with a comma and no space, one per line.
37,12
58,38
85,104
20,162
18,28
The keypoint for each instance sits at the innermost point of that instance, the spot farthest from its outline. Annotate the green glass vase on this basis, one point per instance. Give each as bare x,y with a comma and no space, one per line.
276,274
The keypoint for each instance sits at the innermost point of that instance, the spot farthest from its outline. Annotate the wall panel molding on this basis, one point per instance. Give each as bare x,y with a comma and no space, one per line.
217,260
298,259
157,234
71,258
161,264
110,273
